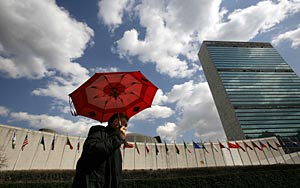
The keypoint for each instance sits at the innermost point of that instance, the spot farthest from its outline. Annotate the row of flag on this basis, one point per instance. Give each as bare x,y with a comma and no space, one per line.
42,142
230,145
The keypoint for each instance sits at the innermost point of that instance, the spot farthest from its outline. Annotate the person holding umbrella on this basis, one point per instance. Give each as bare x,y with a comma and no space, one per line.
112,97
100,164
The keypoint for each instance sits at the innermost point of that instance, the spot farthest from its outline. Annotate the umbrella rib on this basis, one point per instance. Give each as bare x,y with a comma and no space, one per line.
122,102
104,107
138,97
122,77
106,80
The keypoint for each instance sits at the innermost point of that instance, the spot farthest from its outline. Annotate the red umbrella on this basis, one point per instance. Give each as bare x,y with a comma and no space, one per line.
116,92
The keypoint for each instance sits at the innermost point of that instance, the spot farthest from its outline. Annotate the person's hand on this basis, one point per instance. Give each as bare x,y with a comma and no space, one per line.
123,130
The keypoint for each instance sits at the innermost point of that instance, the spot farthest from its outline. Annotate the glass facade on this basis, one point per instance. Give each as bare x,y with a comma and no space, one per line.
262,88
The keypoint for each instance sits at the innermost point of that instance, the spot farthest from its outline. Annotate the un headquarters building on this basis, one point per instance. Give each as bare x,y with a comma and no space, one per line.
256,92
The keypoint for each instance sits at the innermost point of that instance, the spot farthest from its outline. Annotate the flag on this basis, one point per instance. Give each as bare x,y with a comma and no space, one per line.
213,146
177,149
78,145
13,140
53,143
278,144
166,147
25,142
283,143
222,146
256,146
127,145
240,147
185,147
247,146
156,149
146,148
270,146
294,143
203,147
196,146
232,145
43,142
262,145
69,143
136,147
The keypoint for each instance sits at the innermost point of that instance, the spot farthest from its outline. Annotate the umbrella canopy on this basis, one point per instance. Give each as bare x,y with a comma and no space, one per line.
105,94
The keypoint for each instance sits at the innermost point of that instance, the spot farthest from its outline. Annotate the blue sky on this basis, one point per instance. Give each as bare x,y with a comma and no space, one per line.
48,48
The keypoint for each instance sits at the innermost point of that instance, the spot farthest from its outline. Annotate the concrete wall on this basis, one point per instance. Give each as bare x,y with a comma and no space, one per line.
62,157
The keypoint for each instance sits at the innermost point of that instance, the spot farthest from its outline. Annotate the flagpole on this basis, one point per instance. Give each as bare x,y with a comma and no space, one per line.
223,157
19,153
290,155
246,148
166,154
230,154
62,155
256,153
212,150
298,147
145,152
34,155
280,152
243,164
156,154
187,163
134,153
74,163
195,154
265,155
17,159
272,153
221,149
231,157
176,153
204,153
288,150
50,150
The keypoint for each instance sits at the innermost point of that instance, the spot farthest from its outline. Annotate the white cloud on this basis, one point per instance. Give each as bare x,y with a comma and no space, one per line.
159,98
60,87
154,112
197,110
40,39
59,124
162,44
111,11
101,69
4,111
167,132
175,29
245,24
292,35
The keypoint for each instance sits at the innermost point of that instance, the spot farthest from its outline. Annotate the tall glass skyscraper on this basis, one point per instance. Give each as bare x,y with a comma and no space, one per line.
256,92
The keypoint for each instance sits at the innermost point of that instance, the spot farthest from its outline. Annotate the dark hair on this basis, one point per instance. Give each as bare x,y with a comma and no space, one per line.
116,116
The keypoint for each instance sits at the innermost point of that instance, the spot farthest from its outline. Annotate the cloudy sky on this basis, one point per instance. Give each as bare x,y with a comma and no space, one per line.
48,48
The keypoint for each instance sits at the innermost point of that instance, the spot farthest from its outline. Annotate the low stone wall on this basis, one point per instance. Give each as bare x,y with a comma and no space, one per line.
34,156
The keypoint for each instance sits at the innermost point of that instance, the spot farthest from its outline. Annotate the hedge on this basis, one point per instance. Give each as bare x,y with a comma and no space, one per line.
250,176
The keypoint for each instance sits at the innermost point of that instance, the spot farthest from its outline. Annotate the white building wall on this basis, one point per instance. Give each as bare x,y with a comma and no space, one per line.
62,157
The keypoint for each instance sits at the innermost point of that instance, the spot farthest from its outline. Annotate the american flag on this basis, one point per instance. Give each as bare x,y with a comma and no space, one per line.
26,141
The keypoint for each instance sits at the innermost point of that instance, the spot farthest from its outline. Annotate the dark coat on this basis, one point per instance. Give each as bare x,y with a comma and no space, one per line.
100,164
